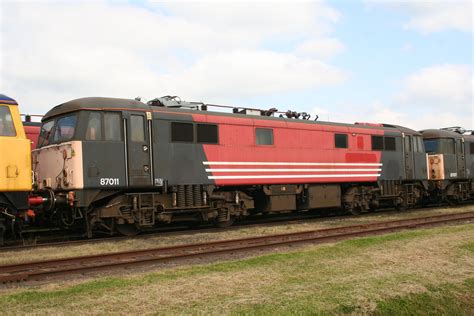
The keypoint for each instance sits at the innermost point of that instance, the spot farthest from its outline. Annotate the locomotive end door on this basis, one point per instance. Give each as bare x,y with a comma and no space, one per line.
139,149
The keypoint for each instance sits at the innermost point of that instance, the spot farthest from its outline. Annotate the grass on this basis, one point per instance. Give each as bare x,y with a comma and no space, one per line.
423,272
443,300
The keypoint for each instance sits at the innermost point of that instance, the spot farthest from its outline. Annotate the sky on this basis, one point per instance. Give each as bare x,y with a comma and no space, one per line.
398,62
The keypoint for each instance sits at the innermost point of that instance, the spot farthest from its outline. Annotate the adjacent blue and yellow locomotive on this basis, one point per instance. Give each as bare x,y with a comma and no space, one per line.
15,165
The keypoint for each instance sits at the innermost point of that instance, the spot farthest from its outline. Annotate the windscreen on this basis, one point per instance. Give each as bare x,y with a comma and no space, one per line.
45,133
439,146
65,128
6,122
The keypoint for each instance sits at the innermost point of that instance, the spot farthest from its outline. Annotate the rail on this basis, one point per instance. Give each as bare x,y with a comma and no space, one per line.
40,270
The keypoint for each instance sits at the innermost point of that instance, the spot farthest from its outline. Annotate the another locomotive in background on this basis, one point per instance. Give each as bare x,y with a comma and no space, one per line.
123,165
15,166
450,154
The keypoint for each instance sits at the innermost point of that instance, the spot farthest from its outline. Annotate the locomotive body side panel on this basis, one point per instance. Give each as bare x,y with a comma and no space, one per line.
176,162
300,153
104,165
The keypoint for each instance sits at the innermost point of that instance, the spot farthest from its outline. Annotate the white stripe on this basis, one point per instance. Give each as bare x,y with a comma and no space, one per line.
296,176
287,170
246,163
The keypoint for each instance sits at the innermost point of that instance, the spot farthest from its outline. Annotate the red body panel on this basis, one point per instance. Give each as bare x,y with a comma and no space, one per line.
32,133
301,153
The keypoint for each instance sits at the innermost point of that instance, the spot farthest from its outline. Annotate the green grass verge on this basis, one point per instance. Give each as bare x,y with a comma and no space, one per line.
444,300
327,279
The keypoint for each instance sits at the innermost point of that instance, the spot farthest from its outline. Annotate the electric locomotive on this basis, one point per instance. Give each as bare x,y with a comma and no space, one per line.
120,165
451,163
15,166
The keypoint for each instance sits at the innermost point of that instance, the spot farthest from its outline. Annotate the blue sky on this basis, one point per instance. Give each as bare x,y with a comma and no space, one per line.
401,62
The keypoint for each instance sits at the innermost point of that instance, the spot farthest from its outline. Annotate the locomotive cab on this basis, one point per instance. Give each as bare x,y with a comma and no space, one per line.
15,164
450,162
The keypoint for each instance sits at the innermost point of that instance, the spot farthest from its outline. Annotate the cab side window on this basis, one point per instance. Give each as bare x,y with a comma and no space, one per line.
113,127
472,148
6,122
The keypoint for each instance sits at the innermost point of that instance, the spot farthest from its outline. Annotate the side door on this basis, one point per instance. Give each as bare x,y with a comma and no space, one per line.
419,159
461,157
139,148
408,152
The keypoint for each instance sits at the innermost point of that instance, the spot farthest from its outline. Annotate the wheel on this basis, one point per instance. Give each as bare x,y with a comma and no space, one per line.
355,210
401,207
227,223
127,229
452,201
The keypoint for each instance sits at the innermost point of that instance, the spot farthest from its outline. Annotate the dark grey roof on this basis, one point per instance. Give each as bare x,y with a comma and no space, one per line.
101,103
439,133
97,103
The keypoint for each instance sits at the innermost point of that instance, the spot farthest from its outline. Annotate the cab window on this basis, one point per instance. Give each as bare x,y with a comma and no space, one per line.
94,127
113,129
6,122
45,133
439,146
65,128
431,146
447,146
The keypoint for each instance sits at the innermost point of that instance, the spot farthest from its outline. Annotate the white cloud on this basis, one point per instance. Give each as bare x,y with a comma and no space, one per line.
321,47
440,86
433,16
379,112
65,50
263,18
252,73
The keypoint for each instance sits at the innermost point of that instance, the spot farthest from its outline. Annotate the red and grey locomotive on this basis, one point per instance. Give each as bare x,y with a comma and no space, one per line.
123,165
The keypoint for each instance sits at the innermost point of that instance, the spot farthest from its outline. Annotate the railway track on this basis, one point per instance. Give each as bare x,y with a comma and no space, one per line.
51,269
178,230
